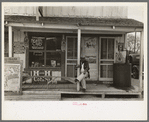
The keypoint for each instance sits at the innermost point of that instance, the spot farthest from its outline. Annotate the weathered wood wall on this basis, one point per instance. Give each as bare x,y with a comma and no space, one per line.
70,11
20,10
19,37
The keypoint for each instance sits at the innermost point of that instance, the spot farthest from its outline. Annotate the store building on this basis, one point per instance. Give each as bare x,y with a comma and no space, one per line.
52,39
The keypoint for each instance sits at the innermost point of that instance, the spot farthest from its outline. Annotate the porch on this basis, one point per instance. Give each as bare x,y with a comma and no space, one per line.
107,37
61,92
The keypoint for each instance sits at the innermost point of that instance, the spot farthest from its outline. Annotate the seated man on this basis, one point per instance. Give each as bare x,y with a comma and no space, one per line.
84,73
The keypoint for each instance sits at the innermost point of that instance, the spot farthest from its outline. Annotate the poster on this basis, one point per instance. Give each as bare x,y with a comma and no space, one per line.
12,77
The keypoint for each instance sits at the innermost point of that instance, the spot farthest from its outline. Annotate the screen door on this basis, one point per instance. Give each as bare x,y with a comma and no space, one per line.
106,59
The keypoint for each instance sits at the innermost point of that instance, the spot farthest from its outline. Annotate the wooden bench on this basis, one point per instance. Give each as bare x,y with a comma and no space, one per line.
52,79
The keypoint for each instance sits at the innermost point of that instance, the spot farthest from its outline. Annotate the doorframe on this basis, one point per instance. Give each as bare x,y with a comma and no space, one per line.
66,54
99,58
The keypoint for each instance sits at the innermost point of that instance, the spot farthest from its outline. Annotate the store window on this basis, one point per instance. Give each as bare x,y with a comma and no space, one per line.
44,51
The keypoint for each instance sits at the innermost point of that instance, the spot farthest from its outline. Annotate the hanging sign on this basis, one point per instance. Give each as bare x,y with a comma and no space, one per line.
63,45
26,41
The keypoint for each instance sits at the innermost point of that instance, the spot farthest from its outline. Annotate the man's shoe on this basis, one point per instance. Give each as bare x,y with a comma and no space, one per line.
76,80
83,89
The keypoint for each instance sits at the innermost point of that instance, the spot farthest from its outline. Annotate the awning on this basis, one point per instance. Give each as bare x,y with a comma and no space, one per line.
122,25
81,21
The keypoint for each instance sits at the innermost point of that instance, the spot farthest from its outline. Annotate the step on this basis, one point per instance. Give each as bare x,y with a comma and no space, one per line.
33,97
40,93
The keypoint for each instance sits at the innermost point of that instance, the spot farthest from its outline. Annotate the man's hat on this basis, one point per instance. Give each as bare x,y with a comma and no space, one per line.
82,57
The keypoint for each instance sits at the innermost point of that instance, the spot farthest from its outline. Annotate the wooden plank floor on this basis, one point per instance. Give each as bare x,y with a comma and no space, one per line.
55,91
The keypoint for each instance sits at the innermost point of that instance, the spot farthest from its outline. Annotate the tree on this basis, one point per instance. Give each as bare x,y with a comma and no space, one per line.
131,43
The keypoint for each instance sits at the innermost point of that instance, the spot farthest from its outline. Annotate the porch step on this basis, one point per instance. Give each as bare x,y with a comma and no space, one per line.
40,92
105,94
35,95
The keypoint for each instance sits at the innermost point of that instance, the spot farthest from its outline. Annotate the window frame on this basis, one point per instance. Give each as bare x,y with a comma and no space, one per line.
43,51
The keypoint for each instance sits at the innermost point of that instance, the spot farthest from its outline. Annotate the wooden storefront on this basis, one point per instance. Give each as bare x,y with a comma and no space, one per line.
52,46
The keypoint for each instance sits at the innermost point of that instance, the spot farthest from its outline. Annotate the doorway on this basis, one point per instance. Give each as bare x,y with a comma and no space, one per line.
71,56
106,58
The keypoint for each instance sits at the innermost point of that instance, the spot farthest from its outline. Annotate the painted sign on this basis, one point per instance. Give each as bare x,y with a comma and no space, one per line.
12,60
121,57
41,73
18,48
91,59
37,43
38,53
120,46
90,42
12,74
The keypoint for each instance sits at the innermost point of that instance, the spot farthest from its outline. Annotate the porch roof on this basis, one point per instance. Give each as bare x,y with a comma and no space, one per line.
121,22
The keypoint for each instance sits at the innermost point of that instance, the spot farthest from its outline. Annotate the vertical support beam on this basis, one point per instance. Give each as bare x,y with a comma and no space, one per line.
125,40
37,14
135,42
10,41
141,59
78,61
79,43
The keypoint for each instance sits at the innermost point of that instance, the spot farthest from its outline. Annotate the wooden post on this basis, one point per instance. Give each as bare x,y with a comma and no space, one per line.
10,41
125,40
37,14
78,61
79,43
135,43
141,59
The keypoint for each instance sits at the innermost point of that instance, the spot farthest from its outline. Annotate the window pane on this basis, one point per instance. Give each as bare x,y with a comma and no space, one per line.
53,43
110,48
53,59
36,59
103,48
36,43
103,71
110,71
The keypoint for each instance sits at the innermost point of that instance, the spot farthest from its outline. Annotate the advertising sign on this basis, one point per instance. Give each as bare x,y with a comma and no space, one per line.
12,76
37,43
19,48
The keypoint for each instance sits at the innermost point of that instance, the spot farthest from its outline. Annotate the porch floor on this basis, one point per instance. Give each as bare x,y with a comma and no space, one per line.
56,91
73,88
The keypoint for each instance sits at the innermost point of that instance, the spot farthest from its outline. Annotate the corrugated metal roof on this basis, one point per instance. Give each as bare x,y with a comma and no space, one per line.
81,21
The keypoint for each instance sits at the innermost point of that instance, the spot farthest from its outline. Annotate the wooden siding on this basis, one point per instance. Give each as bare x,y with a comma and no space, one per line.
70,11
19,37
85,11
20,10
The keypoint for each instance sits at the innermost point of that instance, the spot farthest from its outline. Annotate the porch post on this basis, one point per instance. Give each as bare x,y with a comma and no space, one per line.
37,15
135,42
79,43
141,59
78,61
10,41
125,40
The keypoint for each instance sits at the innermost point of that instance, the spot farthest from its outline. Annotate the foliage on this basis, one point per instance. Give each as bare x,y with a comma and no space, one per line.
131,43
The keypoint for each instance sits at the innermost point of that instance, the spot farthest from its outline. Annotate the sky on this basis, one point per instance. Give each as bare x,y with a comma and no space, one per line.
136,12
